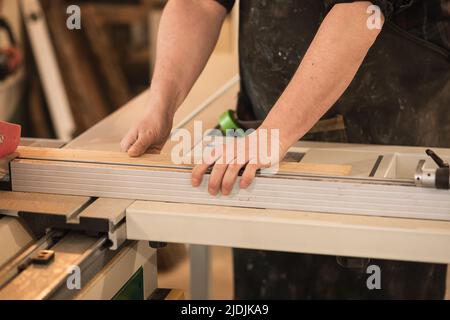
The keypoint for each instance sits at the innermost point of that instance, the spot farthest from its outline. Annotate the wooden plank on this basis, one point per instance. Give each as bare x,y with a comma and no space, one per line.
88,101
39,124
113,75
163,160
41,203
44,54
280,230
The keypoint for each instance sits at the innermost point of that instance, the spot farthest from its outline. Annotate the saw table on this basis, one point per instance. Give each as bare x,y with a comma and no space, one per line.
109,266
364,201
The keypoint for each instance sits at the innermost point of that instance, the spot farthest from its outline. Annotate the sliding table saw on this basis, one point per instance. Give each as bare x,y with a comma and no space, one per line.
338,199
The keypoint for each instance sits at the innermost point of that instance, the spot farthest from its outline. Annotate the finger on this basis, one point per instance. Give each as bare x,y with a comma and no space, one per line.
129,139
198,173
141,145
249,175
216,177
207,161
230,177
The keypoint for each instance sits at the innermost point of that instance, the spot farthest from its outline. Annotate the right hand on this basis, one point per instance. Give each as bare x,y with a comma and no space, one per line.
149,134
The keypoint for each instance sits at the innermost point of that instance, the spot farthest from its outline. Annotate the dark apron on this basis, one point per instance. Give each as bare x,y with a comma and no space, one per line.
400,96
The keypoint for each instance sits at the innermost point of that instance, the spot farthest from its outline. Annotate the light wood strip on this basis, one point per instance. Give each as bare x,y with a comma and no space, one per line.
120,158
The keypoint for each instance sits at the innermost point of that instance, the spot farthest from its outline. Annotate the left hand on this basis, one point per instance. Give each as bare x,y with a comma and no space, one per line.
227,161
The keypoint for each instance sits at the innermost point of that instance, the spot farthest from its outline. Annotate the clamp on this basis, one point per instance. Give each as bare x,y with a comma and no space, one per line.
433,178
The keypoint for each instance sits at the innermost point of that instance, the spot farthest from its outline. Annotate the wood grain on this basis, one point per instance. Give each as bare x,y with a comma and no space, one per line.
163,160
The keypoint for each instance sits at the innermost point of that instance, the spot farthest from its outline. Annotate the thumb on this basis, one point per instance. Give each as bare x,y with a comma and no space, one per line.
139,147
129,139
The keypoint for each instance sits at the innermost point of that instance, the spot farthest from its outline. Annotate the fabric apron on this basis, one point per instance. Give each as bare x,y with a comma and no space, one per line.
400,96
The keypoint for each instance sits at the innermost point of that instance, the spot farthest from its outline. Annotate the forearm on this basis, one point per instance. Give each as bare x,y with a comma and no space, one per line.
188,32
325,72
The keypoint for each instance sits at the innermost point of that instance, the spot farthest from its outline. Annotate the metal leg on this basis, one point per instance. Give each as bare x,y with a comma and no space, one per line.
200,271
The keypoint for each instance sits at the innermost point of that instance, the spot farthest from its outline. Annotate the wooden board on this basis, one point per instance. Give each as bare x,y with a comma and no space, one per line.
88,100
47,65
41,203
106,56
163,160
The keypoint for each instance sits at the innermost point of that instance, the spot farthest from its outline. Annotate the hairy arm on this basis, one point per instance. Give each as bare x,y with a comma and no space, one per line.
328,67
188,33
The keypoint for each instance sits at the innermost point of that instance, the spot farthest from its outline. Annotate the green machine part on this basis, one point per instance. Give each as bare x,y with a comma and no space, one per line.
133,289
227,122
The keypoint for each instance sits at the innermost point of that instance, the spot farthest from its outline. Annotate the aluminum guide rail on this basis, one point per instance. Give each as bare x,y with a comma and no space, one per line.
316,194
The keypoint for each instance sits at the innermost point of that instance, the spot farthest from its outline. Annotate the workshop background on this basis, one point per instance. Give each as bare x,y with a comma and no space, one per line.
102,67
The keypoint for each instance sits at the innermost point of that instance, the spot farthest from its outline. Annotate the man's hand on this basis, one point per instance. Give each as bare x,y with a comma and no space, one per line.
260,150
328,67
149,134
188,32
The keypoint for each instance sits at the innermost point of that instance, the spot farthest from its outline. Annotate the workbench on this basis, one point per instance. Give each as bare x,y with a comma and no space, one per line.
376,236
281,230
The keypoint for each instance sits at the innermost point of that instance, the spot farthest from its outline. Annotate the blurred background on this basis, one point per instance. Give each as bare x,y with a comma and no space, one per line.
101,66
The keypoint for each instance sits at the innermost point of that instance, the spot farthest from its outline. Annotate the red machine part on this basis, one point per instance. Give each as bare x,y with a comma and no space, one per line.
9,138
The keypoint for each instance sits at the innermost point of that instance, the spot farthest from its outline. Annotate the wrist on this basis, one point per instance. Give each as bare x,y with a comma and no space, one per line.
286,137
275,136
164,96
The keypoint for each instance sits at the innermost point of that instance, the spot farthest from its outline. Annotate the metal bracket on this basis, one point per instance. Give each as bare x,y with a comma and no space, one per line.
433,178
